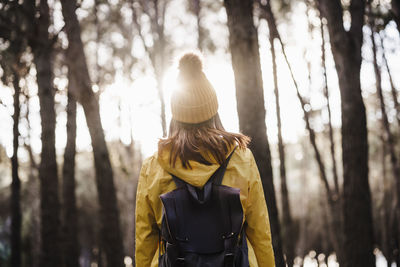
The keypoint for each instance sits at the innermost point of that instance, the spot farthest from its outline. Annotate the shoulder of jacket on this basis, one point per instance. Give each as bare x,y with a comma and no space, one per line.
148,163
149,159
243,155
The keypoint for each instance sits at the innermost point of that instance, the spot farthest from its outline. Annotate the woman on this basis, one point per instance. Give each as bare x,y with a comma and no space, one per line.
196,147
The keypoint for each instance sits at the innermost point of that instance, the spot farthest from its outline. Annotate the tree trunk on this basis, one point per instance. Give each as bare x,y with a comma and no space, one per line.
332,199
243,43
159,56
334,222
346,50
134,223
328,106
397,256
335,227
387,247
157,52
109,213
393,87
200,31
32,197
288,231
396,243
50,207
160,90
70,218
390,139
16,216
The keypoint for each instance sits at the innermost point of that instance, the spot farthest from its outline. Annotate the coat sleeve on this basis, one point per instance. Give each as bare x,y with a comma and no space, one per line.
146,227
258,229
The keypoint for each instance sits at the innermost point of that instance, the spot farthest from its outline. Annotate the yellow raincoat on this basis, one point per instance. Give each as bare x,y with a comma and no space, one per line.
241,173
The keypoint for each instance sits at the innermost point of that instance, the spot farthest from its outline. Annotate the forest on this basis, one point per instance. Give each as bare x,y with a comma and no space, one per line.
85,96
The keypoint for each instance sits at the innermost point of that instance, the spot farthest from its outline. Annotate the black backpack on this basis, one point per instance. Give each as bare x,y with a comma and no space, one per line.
203,228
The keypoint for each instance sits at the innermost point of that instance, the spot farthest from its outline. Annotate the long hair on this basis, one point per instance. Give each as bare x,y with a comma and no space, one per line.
187,141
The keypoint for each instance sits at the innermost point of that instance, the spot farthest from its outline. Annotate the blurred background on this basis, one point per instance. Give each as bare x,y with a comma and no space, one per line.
84,98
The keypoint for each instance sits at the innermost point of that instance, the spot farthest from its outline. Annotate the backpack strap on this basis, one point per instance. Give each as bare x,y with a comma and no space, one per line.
219,174
234,208
216,179
173,238
178,182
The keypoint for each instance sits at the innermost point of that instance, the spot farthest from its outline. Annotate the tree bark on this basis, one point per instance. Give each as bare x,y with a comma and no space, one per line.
288,231
243,43
70,216
16,216
109,213
346,50
42,50
390,139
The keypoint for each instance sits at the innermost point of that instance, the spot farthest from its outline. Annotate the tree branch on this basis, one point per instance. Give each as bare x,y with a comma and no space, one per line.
148,50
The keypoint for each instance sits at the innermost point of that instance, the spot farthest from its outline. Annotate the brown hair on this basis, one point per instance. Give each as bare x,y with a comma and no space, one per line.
187,141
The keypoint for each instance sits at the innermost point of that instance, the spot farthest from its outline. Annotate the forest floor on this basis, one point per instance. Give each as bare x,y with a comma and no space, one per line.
313,262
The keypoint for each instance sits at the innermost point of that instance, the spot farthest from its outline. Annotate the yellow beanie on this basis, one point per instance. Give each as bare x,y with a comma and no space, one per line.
195,100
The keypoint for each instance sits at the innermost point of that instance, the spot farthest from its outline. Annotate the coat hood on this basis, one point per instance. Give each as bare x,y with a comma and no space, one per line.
198,174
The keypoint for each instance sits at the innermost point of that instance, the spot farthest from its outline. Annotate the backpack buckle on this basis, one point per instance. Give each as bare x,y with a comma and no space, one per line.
228,235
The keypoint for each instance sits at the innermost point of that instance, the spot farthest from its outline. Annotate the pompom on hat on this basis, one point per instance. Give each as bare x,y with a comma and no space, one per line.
195,100
190,63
